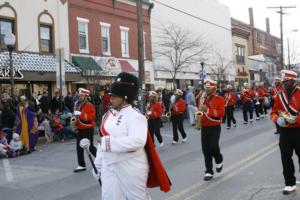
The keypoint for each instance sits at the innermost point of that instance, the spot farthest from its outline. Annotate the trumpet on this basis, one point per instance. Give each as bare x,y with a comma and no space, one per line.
257,99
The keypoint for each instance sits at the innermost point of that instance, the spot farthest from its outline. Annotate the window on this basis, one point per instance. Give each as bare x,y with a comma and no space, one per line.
6,26
124,41
240,54
46,38
83,35
105,38
258,38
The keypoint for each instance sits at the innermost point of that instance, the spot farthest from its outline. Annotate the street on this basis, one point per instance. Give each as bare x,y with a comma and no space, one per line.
252,169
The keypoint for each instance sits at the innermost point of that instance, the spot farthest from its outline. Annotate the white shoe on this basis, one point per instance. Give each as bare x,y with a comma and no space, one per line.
79,169
289,189
219,167
174,142
245,122
234,125
257,118
266,115
208,176
228,127
251,120
261,116
161,145
184,139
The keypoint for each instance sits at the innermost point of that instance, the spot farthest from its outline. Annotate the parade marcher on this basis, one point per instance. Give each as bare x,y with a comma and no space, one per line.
263,96
191,104
230,100
154,113
178,107
247,96
85,125
277,88
285,114
212,110
121,157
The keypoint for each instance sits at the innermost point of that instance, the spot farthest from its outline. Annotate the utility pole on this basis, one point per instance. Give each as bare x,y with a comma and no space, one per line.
289,55
139,13
281,28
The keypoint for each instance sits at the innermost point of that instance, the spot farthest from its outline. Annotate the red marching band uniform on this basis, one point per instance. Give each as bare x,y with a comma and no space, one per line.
179,107
262,93
215,111
232,99
247,96
276,90
156,110
86,117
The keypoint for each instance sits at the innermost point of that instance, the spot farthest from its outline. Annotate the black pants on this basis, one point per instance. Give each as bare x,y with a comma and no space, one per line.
247,107
229,110
89,134
154,129
289,142
210,137
177,122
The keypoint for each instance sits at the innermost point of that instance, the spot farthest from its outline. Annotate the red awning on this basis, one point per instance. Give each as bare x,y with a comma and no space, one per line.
126,66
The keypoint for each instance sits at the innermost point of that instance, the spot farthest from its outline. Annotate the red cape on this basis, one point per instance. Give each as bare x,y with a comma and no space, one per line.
157,175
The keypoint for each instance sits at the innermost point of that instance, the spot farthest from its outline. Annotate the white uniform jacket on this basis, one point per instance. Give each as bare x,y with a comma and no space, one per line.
127,137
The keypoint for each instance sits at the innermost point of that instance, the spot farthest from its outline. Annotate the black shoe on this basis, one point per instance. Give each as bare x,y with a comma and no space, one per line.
208,177
219,167
79,169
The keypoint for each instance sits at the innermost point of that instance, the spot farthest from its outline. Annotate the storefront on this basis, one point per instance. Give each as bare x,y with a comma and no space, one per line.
34,73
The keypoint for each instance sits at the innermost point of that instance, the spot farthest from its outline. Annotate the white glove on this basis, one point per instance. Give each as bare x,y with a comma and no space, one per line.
149,113
77,113
96,175
281,122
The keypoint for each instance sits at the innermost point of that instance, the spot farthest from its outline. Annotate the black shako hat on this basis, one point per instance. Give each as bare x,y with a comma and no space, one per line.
126,86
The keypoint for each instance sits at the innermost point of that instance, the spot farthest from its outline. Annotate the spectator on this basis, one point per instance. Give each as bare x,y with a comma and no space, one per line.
69,102
45,103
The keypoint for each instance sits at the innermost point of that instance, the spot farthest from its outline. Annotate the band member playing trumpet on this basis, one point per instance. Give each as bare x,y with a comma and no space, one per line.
212,110
230,100
178,107
154,113
285,114
247,96
85,125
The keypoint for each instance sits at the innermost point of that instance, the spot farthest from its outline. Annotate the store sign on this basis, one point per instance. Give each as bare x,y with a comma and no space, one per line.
5,74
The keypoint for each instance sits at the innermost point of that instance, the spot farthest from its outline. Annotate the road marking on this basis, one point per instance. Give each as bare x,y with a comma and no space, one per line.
231,174
7,168
239,164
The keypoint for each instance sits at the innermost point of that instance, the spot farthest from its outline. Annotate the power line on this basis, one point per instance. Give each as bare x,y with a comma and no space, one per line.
191,15
281,28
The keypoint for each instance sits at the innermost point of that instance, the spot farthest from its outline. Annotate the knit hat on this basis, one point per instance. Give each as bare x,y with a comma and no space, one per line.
83,91
126,86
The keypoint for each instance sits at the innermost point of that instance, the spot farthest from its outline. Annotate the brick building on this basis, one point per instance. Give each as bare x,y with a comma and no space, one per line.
103,38
263,49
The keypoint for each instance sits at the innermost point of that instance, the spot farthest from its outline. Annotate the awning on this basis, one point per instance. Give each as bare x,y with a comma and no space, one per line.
86,63
34,62
126,66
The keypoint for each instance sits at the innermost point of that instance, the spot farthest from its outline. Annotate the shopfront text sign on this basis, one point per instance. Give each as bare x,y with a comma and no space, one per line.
5,73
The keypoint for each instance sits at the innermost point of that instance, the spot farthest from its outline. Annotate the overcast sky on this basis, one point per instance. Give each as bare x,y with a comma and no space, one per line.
239,10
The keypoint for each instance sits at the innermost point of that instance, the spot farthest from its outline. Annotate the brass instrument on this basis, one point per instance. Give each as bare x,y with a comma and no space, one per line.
227,100
147,111
291,119
257,99
73,124
199,114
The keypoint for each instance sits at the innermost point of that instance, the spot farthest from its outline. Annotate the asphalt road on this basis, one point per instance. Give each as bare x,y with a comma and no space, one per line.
252,169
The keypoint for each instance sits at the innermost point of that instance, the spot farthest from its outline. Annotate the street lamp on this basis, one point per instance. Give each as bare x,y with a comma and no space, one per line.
10,41
202,70
260,72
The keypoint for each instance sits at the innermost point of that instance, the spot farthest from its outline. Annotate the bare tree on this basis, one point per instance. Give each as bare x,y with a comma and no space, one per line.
180,48
219,68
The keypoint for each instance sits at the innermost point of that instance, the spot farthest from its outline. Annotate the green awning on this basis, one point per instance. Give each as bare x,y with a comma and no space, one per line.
86,63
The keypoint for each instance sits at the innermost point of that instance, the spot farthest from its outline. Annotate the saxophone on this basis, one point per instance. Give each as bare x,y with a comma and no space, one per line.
291,119
199,114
